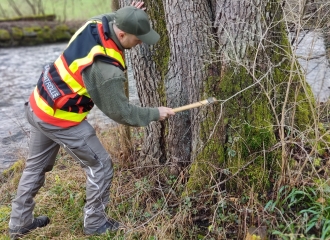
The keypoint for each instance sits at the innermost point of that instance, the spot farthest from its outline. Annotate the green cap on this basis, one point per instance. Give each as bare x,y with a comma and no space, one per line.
135,21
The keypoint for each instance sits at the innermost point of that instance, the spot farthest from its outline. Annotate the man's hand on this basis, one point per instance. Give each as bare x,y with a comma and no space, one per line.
138,4
165,112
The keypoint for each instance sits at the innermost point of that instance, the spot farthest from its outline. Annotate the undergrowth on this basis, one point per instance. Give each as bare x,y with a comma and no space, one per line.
154,205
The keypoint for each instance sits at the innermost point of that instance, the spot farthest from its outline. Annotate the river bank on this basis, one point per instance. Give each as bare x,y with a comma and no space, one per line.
32,33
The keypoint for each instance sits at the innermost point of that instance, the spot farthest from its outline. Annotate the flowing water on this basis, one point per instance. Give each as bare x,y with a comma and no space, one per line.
311,54
21,67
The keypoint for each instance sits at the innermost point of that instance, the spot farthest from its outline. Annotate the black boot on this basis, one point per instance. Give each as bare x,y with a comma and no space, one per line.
40,222
110,225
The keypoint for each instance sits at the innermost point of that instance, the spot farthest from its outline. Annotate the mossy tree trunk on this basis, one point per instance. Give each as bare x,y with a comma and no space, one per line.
264,95
149,65
238,52
188,24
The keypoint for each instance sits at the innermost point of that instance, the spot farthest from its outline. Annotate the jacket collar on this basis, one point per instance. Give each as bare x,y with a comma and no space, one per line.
114,37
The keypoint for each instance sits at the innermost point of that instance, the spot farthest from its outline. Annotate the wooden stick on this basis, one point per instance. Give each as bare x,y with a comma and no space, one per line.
196,104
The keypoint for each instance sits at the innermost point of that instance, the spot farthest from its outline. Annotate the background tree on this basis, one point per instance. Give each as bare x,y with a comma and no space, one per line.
32,6
3,12
17,10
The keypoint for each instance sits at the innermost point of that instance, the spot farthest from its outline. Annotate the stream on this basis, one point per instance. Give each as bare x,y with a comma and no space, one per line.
311,53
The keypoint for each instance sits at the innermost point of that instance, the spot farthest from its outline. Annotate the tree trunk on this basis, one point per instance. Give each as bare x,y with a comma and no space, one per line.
169,75
190,42
31,5
149,66
15,8
115,5
3,13
41,9
261,85
238,52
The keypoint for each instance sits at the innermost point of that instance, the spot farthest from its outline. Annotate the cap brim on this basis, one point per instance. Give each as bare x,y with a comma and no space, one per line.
150,38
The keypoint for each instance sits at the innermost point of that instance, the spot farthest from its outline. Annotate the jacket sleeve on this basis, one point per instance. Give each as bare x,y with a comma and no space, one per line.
105,85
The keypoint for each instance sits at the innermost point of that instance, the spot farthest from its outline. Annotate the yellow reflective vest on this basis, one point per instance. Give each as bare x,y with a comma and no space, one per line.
60,97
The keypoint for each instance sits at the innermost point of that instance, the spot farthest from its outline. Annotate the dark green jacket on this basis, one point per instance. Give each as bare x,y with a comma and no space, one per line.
105,85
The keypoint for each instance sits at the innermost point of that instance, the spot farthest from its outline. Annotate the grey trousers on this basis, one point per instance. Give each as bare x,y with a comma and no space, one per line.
83,145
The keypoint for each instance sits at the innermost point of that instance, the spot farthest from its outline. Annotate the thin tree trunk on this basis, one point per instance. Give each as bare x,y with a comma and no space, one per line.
15,8
3,12
41,9
34,12
115,5
64,11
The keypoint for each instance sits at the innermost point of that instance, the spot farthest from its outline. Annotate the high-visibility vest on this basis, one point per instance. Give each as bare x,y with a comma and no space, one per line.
60,97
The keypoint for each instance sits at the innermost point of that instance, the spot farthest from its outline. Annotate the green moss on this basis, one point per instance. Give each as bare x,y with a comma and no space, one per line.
31,36
30,32
248,135
61,33
4,35
15,168
4,217
49,17
46,34
17,33
34,35
204,171
161,53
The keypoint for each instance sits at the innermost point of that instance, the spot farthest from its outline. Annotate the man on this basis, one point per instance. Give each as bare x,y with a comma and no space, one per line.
89,71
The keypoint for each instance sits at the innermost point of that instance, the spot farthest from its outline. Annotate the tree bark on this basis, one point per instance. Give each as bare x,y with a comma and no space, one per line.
149,65
189,30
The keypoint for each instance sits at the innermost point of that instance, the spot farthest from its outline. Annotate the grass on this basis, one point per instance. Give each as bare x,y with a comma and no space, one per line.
152,205
139,197
64,9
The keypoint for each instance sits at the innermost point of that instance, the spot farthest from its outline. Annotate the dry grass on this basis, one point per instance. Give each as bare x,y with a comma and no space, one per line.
152,204
139,196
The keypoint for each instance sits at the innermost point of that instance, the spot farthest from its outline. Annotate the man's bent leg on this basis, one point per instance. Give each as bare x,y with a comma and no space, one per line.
42,155
83,145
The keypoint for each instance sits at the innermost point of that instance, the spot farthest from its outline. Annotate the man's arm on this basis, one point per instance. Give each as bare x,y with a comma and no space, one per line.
105,85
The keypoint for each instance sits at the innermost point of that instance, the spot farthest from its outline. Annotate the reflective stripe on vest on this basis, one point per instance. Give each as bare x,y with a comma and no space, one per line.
61,97
60,114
